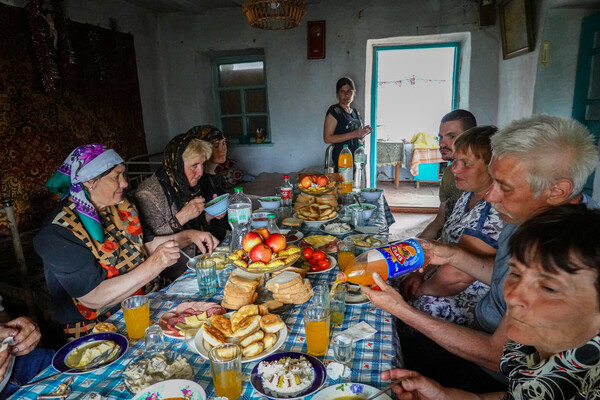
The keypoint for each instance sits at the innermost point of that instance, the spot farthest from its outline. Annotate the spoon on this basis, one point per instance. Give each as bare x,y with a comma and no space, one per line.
95,362
385,389
185,254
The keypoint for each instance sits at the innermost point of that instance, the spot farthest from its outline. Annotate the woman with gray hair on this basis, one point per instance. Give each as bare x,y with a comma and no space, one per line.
170,201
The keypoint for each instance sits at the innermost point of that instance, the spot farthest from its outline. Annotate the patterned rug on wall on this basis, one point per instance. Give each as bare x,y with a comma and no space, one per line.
98,101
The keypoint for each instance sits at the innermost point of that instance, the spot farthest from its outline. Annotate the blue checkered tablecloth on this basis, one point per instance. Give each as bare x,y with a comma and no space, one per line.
371,356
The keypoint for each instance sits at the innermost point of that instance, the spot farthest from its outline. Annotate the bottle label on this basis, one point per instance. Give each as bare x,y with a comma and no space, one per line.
403,257
286,193
239,215
346,174
361,158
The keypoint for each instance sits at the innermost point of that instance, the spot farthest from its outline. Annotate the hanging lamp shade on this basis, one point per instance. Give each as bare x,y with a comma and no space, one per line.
274,14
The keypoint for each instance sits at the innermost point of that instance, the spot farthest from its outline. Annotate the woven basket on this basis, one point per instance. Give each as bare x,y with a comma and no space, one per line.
274,14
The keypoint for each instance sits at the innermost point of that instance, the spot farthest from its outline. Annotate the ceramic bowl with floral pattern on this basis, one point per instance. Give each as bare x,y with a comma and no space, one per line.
178,388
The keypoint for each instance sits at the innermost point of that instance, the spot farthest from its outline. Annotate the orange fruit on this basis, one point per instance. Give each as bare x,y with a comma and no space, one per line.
322,180
306,182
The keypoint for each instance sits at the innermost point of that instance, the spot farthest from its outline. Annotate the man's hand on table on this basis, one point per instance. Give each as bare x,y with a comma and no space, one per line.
26,336
415,386
387,299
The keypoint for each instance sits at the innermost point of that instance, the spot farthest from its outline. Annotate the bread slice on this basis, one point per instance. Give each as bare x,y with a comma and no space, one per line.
238,291
304,299
290,298
298,270
283,280
237,280
292,221
247,275
292,290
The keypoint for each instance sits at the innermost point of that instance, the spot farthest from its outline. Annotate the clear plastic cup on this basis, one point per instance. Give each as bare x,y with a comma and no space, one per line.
226,370
316,327
136,312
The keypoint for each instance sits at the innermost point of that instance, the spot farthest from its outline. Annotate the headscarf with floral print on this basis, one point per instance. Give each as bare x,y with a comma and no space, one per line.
209,133
83,164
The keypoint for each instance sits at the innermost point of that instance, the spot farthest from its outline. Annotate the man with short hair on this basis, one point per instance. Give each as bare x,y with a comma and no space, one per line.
452,125
537,163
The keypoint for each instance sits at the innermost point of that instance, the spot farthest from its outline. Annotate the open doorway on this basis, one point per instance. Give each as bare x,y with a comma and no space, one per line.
412,87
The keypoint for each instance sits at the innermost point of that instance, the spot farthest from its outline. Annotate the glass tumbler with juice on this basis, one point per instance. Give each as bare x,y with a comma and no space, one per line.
316,326
346,169
395,259
226,370
136,312
345,253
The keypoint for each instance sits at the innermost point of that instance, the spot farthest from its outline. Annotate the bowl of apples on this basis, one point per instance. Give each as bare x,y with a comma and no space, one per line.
318,184
264,252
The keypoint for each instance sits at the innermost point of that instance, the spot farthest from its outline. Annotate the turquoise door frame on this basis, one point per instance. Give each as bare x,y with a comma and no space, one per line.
586,104
374,86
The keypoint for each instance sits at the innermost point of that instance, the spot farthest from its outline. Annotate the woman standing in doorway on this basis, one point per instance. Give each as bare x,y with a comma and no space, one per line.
343,123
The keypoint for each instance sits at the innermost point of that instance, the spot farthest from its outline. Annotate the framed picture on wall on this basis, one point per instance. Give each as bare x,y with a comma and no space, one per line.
516,28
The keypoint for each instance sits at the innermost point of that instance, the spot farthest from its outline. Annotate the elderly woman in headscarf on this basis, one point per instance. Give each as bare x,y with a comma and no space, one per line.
170,201
212,183
92,246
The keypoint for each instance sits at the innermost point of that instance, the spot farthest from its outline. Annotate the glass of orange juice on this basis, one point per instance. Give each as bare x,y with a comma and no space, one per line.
345,253
226,370
316,326
136,311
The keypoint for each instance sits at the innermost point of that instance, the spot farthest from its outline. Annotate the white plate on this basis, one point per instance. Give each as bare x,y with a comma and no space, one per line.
349,389
332,264
208,257
323,228
314,224
198,347
356,299
383,239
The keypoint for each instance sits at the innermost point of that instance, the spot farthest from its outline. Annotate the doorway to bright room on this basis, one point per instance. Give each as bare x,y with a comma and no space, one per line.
412,88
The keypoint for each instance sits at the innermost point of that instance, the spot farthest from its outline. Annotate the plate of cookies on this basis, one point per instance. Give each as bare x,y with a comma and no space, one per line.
256,331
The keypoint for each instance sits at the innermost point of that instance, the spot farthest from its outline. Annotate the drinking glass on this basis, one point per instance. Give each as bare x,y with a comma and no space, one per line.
345,253
226,370
206,274
136,312
320,296
337,304
342,348
154,339
357,217
223,275
316,326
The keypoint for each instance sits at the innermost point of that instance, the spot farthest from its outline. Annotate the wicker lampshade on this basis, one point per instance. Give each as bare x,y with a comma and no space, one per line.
274,14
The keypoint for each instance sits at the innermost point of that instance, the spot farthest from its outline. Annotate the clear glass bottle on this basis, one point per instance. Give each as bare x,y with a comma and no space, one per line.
360,168
272,224
286,192
239,212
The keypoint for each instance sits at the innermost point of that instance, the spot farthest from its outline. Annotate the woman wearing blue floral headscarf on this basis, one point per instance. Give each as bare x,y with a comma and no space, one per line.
92,246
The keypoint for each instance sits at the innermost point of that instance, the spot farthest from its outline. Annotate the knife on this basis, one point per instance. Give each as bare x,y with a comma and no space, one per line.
385,389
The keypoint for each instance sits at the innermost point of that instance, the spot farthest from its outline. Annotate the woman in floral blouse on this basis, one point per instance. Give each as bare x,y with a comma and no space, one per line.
552,293
92,246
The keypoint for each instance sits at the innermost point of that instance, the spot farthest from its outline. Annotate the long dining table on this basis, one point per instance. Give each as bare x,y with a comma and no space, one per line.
371,356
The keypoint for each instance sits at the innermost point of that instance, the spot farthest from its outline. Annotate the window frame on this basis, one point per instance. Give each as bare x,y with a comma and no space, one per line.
247,138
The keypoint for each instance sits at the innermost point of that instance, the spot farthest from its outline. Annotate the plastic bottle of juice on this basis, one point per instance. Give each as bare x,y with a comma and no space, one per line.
395,259
345,169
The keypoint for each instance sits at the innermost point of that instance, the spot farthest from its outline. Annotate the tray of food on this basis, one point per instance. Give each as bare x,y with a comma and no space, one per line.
187,315
153,367
337,228
252,327
262,253
318,184
367,242
324,243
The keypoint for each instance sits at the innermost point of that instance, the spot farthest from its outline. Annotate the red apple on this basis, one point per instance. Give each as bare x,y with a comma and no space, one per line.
250,240
264,232
261,252
276,242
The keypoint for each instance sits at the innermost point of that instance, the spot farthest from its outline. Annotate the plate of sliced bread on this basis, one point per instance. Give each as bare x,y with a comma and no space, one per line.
290,288
256,331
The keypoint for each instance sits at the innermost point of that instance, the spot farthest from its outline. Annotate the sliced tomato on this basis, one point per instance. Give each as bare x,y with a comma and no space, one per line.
319,255
324,264
307,252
